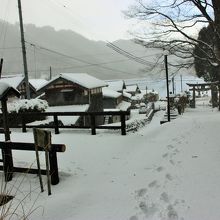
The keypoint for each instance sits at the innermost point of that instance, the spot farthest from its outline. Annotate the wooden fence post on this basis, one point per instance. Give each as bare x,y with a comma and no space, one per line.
7,163
56,124
24,128
53,166
6,152
92,117
123,125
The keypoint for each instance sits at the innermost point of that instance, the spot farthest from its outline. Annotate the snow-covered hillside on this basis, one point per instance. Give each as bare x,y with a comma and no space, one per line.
161,172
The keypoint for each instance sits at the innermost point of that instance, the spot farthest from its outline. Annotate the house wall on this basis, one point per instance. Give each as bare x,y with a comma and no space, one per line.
96,105
66,93
58,97
109,103
22,89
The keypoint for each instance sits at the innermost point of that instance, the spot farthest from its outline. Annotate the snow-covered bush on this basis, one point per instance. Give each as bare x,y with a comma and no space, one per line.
25,105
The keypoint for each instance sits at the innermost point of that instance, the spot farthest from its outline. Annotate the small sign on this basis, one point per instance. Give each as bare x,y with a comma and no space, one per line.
42,138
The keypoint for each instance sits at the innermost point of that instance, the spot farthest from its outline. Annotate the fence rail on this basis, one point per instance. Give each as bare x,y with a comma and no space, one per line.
56,126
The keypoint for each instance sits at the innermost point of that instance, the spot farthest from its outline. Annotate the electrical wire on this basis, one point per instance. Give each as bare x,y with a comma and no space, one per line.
77,59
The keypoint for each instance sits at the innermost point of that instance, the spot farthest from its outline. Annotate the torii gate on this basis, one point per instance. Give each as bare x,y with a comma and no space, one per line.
204,87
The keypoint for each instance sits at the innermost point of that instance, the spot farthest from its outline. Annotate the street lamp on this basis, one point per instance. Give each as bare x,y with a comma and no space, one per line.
167,82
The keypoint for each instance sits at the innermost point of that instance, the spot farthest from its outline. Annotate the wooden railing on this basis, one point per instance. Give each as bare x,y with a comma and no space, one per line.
7,160
56,126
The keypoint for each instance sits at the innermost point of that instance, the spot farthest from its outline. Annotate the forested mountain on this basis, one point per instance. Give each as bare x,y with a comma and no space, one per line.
67,51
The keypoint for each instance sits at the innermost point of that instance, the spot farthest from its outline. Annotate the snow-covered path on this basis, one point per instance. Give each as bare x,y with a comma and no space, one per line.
161,172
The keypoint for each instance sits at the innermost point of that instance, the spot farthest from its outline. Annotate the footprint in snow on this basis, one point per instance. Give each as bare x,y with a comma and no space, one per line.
169,177
164,197
172,214
172,162
170,146
159,169
153,184
148,210
141,192
134,217
165,155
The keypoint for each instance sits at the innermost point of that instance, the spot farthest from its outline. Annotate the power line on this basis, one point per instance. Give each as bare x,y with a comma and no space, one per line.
77,59
113,46
127,54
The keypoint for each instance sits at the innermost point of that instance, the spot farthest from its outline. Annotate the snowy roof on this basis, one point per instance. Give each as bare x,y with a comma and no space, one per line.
123,106
38,83
6,89
131,88
116,85
14,81
109,93
126,94
84,80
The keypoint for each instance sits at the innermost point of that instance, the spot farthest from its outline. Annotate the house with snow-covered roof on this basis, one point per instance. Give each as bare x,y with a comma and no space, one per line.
113,101
116,85
111,98
132,89
17,82
35,84
74,89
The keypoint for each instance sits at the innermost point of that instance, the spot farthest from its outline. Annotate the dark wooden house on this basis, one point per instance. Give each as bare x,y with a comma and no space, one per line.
75,89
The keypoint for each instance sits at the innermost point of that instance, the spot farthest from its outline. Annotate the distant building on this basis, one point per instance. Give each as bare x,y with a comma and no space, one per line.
113,101
111,98
133,89
116,85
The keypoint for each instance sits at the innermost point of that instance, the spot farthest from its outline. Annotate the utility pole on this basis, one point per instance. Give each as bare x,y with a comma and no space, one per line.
24,51
181,81
167,82
50,77
1,65
173,85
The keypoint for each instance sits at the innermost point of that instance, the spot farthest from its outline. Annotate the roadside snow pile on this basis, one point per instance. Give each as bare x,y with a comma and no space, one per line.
137,123
24,105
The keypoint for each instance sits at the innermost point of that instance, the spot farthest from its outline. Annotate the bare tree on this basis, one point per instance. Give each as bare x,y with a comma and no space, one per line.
174,25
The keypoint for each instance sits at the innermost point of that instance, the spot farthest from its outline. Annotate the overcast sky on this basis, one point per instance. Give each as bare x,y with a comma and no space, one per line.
95,19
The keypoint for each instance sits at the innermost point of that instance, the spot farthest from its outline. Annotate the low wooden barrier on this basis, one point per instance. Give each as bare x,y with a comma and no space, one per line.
56,126
8,165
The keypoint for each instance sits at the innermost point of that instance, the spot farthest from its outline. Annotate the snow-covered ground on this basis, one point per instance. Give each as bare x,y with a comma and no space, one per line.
160,172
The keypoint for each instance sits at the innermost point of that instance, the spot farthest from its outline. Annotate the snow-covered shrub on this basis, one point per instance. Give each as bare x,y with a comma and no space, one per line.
25,105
